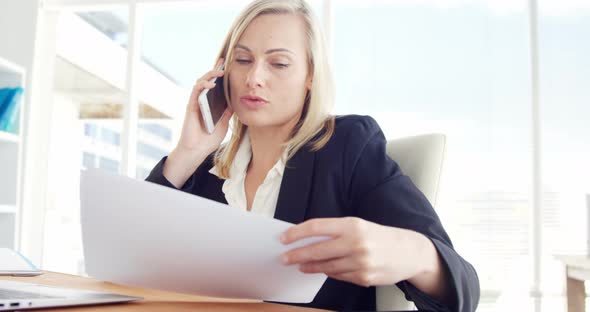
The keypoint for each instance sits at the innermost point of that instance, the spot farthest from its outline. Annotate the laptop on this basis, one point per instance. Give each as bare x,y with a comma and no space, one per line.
22,296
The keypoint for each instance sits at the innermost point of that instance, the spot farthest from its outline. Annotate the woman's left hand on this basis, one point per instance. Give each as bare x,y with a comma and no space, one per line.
359,251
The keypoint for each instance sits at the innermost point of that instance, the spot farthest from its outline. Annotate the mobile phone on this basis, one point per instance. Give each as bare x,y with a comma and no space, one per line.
212,103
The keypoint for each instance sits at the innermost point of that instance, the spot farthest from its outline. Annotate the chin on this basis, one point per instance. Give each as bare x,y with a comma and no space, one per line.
254,119
258,120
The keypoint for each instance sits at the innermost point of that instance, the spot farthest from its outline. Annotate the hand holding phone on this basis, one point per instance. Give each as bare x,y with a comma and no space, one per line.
212,103
196,142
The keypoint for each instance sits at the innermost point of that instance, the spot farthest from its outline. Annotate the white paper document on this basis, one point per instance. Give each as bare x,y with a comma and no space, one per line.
143,234
13,263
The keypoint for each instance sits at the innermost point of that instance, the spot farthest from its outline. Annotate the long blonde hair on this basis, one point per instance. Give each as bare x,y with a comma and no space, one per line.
316,115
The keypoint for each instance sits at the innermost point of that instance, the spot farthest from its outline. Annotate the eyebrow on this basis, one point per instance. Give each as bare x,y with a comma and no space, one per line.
269,51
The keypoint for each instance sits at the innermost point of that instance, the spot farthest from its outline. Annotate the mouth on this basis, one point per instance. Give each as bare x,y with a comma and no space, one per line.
252,101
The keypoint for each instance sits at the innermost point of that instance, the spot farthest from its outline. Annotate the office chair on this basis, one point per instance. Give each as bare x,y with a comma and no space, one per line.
420,158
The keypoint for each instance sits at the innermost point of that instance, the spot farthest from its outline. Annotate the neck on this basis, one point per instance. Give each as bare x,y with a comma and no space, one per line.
267,144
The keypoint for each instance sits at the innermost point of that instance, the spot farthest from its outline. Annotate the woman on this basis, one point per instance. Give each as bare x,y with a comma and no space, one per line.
288,158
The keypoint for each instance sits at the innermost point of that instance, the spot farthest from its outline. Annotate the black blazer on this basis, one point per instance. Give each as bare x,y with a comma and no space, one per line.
352,176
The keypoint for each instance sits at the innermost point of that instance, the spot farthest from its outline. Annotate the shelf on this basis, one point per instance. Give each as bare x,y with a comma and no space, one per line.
7,209
11,76
6,66
9,137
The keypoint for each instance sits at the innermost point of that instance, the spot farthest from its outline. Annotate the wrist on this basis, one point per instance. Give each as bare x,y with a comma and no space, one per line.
426,254
432,277
181,164
189,156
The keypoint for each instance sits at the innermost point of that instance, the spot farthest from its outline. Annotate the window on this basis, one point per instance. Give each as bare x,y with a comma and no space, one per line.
565,135
110,137
151,151
88,160
461,69
108,165
158,130
90,130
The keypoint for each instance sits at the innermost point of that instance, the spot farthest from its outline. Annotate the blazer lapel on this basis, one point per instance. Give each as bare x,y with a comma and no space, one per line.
295,187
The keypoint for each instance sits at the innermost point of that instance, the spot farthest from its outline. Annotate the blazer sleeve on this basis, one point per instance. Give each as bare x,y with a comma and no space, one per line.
381,193
201,182
157,176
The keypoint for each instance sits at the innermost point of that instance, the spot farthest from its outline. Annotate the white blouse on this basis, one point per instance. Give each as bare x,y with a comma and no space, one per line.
267,194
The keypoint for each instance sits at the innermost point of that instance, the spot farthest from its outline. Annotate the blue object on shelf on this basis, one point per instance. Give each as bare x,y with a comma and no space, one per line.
12,124
9,108
4,93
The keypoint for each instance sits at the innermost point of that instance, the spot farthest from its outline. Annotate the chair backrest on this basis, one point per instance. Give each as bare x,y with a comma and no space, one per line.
420,158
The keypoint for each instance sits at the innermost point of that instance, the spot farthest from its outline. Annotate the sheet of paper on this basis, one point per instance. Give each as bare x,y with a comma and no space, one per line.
143,234
12,261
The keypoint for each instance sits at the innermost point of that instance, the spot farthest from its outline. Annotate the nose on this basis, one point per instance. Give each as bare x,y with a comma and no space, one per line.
255,77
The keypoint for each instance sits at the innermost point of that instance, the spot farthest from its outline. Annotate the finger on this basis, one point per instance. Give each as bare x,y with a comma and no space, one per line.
333,227
206,85
212,74
192,102
324,250
198,88
201,84
332,266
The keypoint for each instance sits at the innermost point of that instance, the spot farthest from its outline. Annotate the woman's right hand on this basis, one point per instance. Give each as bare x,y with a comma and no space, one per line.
195,142
194,138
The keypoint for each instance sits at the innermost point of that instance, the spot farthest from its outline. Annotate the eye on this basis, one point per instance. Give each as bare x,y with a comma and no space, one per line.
280,65
243,61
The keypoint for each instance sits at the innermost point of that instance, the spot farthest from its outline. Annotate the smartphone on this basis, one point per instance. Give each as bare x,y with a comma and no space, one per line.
212,103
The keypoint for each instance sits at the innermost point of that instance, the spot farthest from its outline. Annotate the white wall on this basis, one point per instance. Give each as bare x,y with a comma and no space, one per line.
62,189
17,31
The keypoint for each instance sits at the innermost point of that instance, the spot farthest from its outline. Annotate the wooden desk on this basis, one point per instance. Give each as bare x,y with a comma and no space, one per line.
153,300
577,270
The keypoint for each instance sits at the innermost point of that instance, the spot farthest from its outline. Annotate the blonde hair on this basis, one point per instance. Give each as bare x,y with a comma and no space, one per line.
319,100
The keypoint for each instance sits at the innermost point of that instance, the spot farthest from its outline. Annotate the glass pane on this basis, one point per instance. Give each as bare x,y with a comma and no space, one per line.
564,29
86,123
461,69
154,141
